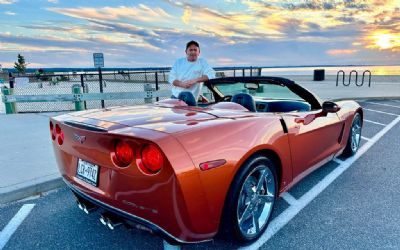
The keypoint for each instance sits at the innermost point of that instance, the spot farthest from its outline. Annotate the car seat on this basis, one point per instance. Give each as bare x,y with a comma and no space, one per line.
246,100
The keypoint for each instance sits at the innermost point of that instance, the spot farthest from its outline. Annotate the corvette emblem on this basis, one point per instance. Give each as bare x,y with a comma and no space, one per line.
79,138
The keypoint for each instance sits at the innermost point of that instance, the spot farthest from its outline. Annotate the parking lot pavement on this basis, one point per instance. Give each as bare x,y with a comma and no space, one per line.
346,204
26,154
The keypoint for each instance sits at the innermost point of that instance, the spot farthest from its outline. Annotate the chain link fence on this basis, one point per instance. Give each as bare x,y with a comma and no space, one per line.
99,82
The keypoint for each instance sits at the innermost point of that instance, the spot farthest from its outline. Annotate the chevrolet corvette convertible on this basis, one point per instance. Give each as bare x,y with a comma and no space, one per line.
187,170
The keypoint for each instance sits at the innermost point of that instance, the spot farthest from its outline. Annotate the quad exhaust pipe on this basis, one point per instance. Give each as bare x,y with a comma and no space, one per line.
86,207
107,219
110,220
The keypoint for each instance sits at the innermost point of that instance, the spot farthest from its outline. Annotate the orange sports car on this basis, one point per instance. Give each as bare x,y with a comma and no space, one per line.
188,170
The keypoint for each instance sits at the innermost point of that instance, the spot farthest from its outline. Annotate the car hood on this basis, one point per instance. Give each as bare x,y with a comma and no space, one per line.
164,119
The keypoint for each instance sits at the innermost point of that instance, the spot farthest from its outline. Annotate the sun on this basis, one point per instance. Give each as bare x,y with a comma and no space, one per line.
384,41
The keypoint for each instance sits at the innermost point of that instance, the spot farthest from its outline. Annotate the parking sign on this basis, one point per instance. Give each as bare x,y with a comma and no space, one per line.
98,60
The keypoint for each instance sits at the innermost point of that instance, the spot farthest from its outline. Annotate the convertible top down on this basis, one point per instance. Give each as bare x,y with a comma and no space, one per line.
188,170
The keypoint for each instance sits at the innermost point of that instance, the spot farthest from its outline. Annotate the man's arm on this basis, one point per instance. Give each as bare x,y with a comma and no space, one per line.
190,83
178,83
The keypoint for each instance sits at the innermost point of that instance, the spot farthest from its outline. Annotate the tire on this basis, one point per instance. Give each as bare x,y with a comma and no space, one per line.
353,142
251,200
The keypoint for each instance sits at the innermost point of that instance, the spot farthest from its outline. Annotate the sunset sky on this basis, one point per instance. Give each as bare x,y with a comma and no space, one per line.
58,33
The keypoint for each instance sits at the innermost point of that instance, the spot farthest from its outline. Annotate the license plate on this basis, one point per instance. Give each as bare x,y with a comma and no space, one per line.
87,172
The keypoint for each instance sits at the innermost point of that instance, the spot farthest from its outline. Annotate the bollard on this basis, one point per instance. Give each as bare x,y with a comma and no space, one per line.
10,106
148,88
77,91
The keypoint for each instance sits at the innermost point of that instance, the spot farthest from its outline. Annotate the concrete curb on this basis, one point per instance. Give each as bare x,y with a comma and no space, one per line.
30,188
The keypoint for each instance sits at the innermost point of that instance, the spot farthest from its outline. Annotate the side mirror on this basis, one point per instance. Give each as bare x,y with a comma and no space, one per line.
330,107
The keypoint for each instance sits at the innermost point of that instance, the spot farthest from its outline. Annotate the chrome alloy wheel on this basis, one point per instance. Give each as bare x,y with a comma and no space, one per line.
356,133
256,200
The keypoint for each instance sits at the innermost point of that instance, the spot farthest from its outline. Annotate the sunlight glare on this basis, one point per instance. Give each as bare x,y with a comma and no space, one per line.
384,41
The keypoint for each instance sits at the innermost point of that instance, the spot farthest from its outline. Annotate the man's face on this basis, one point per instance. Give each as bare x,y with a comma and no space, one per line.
192,53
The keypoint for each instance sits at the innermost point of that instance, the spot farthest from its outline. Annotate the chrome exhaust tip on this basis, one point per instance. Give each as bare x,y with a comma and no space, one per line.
110,220
112,224
103,220
80,205
86,207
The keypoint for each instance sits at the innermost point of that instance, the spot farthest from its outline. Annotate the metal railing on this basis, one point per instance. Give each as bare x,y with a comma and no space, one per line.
114,87
52,92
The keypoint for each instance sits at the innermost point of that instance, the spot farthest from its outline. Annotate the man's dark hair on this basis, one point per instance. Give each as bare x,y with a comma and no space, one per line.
192,43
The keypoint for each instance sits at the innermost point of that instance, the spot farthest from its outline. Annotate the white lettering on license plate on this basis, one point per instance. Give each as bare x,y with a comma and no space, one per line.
88,172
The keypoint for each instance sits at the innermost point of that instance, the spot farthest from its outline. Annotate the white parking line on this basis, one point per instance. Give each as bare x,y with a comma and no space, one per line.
365,138
377,111
377,123
14,223
279,222
289,198
338,161
384,104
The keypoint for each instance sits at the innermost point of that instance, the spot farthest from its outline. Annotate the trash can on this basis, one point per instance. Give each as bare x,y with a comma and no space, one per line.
319,74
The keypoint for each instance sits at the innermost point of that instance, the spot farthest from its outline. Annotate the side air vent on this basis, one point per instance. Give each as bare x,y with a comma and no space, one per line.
284,127
85,126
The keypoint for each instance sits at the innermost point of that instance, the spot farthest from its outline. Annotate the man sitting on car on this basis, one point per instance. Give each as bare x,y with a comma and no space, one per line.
189,73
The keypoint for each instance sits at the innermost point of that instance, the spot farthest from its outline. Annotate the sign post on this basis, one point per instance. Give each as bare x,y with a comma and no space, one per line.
98,59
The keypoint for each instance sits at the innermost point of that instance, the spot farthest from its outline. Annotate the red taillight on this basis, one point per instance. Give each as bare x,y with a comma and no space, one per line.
59,134
152,159
56,132
123,153
53,136
58,129
60,138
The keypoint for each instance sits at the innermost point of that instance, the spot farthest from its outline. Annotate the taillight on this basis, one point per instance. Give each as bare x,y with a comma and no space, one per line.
152,159
123,153
60,135
56,132
53,136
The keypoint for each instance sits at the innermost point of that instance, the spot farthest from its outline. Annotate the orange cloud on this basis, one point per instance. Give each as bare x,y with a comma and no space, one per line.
338,52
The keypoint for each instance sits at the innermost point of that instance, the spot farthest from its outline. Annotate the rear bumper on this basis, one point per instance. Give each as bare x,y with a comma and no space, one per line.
129,217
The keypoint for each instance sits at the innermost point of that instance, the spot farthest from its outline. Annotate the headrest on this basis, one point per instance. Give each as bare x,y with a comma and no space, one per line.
245,100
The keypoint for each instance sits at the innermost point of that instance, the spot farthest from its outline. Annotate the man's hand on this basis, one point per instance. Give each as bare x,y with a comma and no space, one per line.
189,83
184,84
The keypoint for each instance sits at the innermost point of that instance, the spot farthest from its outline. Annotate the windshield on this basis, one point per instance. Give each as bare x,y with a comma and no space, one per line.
262,91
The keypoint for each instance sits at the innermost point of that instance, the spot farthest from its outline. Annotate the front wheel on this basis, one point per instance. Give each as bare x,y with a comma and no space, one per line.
251,199
353,143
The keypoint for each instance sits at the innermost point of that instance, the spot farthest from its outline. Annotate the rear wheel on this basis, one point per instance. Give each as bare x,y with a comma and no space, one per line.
251,200
353,143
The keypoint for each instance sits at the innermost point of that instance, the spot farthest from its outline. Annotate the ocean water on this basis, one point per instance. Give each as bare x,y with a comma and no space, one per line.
375,70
